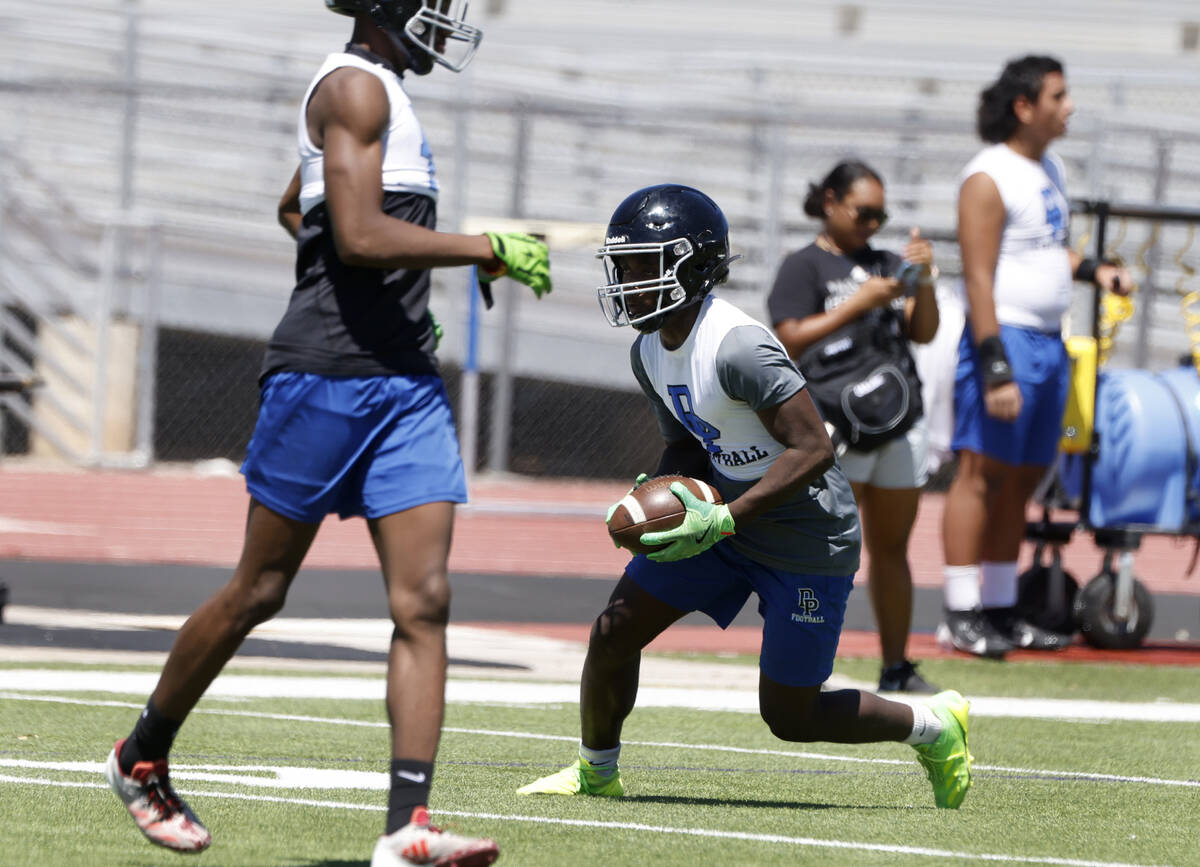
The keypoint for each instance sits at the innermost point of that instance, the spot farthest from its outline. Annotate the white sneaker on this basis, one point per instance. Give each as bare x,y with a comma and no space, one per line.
160,813
418,842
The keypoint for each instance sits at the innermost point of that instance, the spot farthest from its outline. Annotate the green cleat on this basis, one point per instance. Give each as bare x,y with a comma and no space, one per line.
947,760
578,779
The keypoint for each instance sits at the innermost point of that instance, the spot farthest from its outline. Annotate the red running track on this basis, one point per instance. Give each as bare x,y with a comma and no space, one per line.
178,516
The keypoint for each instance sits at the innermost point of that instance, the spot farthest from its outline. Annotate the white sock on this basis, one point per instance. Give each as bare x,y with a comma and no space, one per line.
960,587
926,725
999,588
604,762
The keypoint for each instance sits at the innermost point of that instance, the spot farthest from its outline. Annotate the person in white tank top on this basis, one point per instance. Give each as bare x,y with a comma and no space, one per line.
362,206
1018,273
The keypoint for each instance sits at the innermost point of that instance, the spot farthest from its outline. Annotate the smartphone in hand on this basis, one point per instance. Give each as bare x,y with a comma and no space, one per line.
909,274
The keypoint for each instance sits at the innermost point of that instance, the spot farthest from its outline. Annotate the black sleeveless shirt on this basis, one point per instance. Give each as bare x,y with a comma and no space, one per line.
353,321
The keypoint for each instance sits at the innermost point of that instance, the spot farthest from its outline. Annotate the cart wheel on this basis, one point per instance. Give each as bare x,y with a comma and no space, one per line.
1094,613
1036,606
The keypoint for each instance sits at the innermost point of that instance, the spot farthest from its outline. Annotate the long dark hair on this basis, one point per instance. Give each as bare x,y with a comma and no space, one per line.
995,119
839,180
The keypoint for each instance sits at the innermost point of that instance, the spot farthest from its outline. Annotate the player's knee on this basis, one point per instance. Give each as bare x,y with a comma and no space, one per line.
798,722
794,728
420,603
609,642
262,601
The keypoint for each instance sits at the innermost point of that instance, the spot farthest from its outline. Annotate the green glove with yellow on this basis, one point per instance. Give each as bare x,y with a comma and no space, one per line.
703,526
523,258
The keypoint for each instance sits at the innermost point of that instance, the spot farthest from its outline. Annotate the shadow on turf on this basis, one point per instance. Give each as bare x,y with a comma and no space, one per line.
772,805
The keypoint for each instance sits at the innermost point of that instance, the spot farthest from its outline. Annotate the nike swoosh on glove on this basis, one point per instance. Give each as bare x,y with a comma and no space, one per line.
703,526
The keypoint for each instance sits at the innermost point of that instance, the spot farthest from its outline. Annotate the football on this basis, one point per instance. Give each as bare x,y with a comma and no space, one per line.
652,507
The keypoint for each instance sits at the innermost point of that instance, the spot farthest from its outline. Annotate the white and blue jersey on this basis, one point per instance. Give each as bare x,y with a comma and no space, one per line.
1033,282
711,388
407,160
799,557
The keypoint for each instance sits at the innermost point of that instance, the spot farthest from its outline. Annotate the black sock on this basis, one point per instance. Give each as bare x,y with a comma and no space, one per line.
410,788
151,738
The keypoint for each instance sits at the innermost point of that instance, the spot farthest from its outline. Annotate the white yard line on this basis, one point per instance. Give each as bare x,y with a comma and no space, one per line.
804,842
506,692
1086,776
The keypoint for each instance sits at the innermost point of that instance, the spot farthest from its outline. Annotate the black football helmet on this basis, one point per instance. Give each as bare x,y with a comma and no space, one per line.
680,240
429,31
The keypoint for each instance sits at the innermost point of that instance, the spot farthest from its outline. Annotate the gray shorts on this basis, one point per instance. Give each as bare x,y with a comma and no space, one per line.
901,463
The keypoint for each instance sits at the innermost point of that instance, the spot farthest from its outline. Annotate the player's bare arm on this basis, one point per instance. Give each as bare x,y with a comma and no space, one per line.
808,455
347,118
981,218
289,213
980,227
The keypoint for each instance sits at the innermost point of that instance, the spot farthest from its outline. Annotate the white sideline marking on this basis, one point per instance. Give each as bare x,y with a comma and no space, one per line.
510,692
253,776
810,842
795,754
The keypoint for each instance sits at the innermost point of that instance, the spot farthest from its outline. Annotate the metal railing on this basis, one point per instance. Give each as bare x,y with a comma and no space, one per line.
73,295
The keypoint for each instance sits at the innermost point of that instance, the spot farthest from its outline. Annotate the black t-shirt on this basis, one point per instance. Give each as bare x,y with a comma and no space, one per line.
350,321
871,348
812,280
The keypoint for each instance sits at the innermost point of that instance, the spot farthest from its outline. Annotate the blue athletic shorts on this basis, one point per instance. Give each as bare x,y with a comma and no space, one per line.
366,446
802,614
1040,369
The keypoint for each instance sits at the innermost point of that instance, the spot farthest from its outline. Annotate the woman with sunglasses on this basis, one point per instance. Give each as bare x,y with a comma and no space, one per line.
841,299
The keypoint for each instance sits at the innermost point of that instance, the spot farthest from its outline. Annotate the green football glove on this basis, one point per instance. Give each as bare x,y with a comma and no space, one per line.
703,526
438,332
636,484
523,258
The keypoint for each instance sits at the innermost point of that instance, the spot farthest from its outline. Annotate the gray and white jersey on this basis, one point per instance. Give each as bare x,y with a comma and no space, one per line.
711,388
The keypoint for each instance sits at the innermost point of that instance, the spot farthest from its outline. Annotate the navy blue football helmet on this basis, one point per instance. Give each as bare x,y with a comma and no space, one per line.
429,31
665,248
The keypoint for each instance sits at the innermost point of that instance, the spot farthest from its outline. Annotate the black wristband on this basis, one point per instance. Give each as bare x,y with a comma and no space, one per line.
996,369
1086,272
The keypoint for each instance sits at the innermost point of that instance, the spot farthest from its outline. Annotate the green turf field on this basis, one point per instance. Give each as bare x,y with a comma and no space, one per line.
298,781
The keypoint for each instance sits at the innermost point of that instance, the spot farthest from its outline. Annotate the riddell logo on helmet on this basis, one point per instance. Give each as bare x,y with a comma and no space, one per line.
616,239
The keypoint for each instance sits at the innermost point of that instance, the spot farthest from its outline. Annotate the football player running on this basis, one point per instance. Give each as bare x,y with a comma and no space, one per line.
354,417
733,409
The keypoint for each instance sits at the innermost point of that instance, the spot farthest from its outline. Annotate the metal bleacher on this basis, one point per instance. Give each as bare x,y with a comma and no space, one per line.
568,107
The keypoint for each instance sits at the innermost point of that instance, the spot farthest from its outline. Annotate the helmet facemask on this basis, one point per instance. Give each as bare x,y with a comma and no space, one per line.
439,30
644,302
427,31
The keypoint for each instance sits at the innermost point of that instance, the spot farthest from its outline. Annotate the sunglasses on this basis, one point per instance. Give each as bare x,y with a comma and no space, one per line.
865,216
